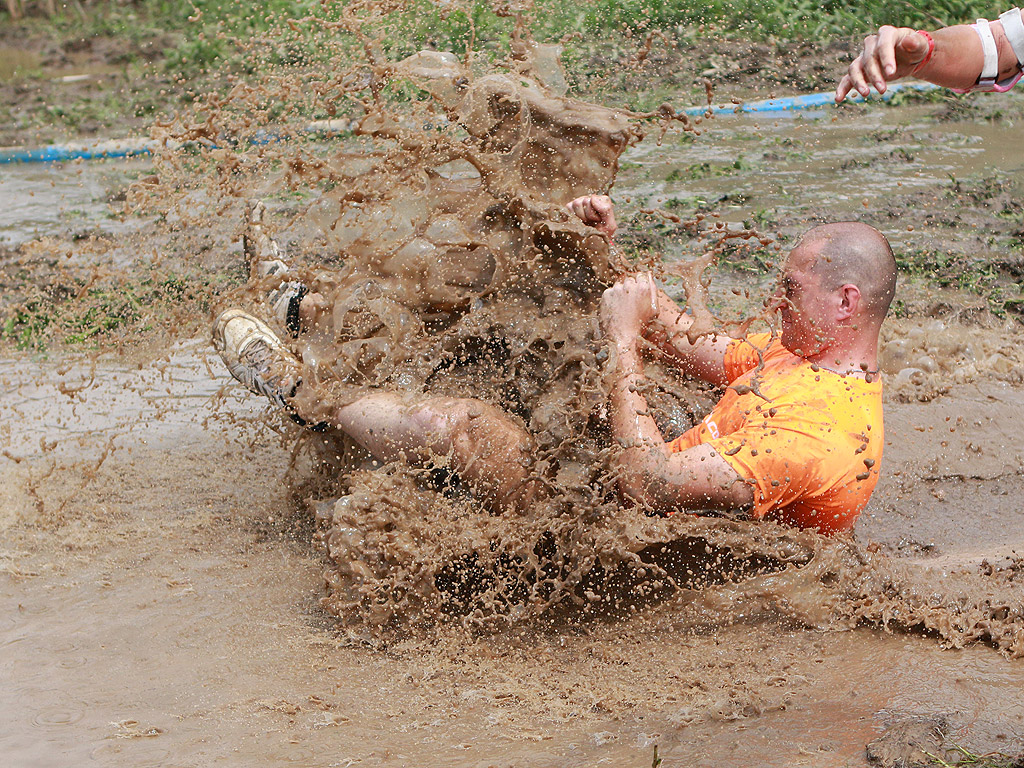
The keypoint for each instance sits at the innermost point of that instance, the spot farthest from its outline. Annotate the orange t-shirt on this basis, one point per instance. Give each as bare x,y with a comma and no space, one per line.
810,443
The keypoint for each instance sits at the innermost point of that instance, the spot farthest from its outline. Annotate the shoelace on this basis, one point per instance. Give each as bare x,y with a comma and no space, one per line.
254,371
285,301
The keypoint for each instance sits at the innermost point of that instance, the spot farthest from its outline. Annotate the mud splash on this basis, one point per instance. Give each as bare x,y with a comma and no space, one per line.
461,274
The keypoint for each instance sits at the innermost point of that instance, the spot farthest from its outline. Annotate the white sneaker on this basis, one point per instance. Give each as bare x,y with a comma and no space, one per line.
256,357
285,301
264,257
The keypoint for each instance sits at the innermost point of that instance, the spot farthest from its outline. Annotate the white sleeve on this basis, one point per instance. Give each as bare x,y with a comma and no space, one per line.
1013,27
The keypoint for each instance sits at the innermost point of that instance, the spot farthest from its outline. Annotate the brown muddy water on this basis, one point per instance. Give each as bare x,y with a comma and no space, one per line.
165,612
42,199
162,594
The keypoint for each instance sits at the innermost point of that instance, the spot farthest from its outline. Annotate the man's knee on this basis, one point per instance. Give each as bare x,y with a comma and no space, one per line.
471,429
440,420
487,447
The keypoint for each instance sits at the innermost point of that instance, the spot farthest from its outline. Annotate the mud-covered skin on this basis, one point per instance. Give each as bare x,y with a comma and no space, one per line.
518,329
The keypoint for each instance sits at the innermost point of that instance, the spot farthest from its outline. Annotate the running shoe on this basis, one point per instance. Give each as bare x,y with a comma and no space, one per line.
284,302
255,356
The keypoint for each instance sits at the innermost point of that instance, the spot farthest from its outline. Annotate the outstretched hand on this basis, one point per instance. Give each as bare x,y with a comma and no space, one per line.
628,306
891,54
597,211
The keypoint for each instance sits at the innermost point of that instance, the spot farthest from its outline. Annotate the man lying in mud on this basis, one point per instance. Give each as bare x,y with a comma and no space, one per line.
797,436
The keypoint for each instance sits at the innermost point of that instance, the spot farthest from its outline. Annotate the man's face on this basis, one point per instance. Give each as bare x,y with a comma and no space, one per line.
802,304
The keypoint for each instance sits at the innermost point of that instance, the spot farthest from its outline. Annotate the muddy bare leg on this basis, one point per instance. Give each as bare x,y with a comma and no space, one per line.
480,442
488,450
262,252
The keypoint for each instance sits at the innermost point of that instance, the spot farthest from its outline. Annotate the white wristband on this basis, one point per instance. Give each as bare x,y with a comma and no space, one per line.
1013,27
990,68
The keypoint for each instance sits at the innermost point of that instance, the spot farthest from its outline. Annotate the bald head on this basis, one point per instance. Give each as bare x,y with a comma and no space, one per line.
858,254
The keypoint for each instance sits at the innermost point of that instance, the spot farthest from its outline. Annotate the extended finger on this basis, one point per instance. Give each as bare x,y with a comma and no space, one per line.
872,67
843,88
857,81
886,49
654,293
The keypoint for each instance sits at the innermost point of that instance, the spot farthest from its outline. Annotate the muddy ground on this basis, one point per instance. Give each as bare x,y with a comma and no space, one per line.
161,583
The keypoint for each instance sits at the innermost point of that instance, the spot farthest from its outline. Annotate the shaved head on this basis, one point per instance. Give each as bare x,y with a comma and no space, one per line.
849,252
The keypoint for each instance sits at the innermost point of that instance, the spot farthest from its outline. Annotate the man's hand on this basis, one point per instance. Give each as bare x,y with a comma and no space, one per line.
891,54
597,211
628,306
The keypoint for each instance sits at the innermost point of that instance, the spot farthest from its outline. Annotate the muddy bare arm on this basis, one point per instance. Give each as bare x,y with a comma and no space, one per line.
705,358
896,52
635,306
648,472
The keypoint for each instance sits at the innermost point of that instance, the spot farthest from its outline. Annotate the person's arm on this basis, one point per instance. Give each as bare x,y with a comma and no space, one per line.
956,60
705,358
648,472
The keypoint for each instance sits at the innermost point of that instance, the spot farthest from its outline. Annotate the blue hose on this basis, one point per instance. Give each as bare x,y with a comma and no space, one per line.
102,149
62,153
794,103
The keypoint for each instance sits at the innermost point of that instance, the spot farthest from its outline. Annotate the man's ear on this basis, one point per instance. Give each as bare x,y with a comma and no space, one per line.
849,301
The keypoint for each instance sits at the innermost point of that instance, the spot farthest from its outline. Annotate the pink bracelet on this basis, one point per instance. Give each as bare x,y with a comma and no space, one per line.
931,50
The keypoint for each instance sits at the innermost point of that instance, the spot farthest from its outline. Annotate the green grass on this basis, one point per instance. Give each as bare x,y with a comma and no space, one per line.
71,314
707,170
755,18
964,757
204,32
90,112
172,52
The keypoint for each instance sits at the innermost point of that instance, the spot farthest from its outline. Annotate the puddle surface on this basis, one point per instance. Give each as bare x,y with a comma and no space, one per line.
49,200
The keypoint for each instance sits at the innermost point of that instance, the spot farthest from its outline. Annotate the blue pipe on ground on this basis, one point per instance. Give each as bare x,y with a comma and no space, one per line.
794,103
